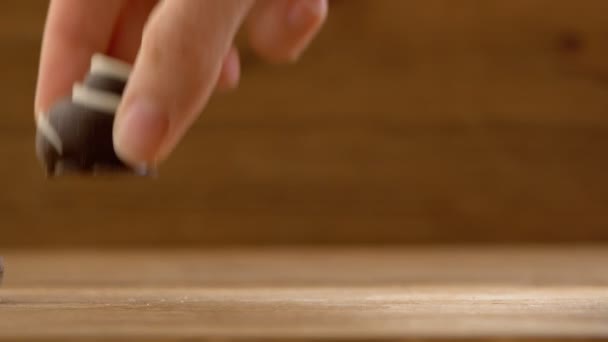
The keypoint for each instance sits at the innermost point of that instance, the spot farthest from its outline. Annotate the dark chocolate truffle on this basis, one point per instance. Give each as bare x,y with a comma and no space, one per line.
75,136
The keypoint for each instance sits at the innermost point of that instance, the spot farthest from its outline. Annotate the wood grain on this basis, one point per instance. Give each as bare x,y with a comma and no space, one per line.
501,293
300,313
407,122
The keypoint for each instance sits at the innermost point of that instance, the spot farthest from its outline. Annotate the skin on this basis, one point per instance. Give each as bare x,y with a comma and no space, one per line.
182,50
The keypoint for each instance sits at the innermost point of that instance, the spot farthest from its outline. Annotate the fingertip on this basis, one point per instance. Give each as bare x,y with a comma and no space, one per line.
139,132
231,71
306,14
306,17
280,31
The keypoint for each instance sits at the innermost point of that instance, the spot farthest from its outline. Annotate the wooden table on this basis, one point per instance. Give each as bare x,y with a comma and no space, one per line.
306,294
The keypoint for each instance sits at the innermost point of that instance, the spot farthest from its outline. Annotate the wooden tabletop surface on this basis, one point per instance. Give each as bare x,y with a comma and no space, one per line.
306,294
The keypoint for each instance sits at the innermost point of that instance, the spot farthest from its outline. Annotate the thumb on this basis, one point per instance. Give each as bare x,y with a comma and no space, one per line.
183,48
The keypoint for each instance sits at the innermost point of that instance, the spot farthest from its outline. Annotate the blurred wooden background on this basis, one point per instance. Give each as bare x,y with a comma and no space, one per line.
432,121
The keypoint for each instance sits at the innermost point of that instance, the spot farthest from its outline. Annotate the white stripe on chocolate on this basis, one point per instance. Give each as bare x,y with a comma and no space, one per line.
49,132
95,99
103,65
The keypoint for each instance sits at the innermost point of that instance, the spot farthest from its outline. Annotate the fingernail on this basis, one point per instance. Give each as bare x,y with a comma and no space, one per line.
306,12
139,134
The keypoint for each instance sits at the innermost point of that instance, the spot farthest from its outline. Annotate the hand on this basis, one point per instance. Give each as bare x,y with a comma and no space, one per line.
181,50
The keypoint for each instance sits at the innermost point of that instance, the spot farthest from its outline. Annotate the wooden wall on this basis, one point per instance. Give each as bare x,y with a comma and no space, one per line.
408,122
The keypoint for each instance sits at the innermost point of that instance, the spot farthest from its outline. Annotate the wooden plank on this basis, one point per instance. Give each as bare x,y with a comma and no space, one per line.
306,294
296,313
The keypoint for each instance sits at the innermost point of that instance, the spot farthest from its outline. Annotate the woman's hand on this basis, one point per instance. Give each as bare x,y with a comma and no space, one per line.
181,50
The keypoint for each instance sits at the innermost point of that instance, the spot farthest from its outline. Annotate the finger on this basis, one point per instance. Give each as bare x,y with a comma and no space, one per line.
280,30
179,63
129,28
127,40
231,71
75,30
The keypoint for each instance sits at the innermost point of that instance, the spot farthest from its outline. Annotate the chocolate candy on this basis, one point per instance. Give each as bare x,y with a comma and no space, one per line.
75,136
